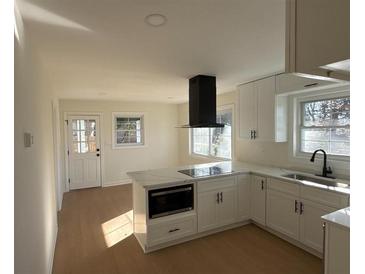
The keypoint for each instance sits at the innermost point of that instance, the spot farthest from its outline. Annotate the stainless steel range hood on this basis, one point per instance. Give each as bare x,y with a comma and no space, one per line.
202,102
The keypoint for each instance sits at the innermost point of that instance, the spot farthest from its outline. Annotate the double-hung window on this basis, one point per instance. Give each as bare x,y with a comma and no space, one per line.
128,129
214,142
325,124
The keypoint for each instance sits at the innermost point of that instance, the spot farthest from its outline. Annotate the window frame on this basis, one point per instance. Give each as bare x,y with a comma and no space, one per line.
140,115
209,156
298,124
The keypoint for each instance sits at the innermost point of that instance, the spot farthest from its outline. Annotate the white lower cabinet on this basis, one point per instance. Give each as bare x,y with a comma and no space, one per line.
171,230
243,187
217,203
289,213
311,224
281,213
258,199
207,210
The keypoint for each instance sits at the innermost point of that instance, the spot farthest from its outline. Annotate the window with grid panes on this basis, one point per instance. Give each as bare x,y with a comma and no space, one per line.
83,135
325,124
215,142
128,130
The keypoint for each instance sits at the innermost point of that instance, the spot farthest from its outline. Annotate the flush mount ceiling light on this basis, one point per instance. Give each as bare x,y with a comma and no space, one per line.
155,20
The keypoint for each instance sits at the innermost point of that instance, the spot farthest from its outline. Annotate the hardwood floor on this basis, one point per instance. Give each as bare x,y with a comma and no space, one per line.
81,246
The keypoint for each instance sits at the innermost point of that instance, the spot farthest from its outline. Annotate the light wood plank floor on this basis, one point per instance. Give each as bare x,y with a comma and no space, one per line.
81,246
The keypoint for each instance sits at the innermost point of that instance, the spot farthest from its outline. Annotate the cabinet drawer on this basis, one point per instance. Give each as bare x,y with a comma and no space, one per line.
171,230
216,183
328,198
285,187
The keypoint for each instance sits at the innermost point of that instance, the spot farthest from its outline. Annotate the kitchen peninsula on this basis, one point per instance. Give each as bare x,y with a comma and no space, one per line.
174,205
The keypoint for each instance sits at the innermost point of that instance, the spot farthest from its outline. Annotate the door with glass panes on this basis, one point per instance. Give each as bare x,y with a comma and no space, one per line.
84,151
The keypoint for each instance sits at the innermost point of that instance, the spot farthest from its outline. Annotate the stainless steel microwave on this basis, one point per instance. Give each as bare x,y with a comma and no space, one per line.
170,200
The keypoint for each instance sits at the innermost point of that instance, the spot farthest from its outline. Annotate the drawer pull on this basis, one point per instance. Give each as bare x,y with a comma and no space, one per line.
173,230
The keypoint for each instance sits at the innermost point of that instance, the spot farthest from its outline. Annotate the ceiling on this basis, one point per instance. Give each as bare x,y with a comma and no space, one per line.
104,50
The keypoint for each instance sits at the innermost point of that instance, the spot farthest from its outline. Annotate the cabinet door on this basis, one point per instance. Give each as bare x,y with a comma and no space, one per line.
258,199
281,213
207,210
247,109
243,184
227,207
311,230
266,109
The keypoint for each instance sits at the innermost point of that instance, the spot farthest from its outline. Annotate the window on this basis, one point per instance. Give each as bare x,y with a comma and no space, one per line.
83,135
215,142
325,124
128,129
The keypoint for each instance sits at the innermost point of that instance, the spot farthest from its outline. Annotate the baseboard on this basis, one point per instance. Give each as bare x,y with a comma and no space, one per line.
50,264
117,183
290,240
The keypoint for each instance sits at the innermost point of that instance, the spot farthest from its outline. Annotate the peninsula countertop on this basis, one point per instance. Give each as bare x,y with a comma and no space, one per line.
164,176
340,217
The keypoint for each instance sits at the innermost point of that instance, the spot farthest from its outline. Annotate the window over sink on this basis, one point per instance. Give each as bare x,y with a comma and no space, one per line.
325,124
215,142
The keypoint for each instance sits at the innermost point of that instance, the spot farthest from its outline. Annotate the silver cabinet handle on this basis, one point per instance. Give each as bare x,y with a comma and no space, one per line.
221,197
251,134
174,230
254,134
217,197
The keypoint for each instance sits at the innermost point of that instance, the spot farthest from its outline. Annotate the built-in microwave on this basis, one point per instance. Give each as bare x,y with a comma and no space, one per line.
170,200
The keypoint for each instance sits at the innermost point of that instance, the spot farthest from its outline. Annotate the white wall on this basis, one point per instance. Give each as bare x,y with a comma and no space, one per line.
259,152
34,185
161,136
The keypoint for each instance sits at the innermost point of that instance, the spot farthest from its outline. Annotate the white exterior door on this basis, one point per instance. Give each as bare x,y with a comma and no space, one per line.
282,213
84,151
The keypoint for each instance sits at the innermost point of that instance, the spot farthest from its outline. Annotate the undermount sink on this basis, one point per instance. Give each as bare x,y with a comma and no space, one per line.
301,177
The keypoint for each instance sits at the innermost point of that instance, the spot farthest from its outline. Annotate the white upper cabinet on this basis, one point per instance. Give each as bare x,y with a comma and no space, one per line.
248,110
290,83
263,114
318,38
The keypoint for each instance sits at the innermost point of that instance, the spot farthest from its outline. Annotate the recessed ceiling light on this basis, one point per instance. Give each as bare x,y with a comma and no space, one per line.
102,93
155,20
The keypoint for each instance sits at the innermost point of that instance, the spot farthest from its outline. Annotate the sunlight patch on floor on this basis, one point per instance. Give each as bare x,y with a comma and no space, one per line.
117,229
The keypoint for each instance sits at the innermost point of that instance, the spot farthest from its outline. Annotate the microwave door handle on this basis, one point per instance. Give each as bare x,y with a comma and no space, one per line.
171,191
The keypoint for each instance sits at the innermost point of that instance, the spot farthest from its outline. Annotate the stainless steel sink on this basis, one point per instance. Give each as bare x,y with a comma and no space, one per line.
301,177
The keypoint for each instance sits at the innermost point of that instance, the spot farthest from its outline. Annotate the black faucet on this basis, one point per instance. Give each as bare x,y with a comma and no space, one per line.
325,170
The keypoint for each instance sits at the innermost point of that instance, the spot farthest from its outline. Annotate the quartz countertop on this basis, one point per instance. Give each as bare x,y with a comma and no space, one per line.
161,177
340,217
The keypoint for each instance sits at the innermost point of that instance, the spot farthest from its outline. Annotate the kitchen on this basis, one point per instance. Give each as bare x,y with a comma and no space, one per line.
195,137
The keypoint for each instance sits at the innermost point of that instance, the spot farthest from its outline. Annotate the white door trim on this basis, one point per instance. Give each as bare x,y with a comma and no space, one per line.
66,114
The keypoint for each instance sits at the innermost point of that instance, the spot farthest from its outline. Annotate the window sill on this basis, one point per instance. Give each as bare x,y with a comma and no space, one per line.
202,156
129,146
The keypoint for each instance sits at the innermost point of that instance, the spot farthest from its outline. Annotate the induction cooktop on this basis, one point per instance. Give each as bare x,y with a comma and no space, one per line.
206,171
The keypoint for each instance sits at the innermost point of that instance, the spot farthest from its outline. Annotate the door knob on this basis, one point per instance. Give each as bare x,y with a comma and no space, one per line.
98,155
98,149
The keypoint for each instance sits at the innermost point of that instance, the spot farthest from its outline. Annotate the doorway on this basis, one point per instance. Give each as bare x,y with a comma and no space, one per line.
83,149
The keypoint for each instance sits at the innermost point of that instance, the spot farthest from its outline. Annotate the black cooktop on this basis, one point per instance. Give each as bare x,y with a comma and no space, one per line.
206,171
